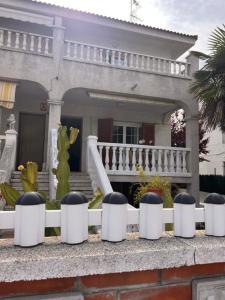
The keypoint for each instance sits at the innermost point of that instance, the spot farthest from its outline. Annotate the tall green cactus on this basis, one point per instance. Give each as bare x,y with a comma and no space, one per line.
28,178
63,169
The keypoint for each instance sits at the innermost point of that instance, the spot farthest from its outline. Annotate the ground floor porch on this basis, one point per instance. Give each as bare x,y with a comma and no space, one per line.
131,131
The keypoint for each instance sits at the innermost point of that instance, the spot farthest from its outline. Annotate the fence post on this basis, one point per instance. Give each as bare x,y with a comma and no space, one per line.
184,215
29,220
151,212
214,215
114,217
74,218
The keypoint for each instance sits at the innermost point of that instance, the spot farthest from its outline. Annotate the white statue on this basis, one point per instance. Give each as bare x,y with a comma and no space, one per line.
11,121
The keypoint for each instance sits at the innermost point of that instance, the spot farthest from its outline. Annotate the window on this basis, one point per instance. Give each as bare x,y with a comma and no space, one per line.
117,134
125,133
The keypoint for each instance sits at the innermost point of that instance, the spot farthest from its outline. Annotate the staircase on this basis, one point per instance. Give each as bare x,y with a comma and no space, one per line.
79,182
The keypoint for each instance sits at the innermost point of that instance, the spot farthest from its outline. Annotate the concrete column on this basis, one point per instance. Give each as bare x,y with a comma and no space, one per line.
192,141
58,45
194,63
54,120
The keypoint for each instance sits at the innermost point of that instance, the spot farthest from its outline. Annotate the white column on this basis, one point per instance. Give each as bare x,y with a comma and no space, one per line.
58,43
54,119
192,141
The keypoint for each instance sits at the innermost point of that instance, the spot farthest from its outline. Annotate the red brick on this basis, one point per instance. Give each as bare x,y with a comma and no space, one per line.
187,273
101,296
170,292
118,279
36,287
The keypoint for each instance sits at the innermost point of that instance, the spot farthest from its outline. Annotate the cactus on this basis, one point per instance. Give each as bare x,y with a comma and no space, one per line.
28,177
63,169
9,194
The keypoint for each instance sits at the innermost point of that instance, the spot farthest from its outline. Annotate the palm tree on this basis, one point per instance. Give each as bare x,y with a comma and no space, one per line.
209,82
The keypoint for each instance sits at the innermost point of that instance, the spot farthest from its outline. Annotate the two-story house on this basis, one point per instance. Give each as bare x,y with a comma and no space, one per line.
112,79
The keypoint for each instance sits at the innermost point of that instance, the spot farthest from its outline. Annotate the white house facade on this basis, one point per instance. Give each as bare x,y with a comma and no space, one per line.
215,164
116,81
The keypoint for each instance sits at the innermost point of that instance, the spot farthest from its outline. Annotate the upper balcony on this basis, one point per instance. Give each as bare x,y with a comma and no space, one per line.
31,43
118,58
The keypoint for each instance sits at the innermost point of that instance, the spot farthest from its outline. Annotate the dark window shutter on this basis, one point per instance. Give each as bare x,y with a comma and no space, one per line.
147,133
105,129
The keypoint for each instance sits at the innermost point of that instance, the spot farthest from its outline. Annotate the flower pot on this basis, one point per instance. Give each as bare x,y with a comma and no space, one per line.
157,191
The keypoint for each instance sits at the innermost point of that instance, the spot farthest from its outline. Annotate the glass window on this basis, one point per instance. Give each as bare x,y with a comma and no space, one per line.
117,134
131,135
125,133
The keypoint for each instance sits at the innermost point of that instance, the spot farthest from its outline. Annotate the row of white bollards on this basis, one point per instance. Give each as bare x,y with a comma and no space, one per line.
30,217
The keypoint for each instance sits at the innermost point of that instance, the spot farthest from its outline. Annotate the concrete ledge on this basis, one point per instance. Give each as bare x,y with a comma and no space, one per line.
56,260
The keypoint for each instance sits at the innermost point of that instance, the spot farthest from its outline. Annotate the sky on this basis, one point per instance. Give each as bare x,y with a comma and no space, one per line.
198,17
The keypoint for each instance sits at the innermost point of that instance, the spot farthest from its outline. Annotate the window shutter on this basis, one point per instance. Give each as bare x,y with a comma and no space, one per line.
105,129
148,133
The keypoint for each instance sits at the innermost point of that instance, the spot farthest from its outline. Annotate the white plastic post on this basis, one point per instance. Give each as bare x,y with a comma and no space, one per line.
114,217
184,215
151,212
29,220
214,215
74,218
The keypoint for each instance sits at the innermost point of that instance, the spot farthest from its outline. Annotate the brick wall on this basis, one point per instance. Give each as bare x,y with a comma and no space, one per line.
168,284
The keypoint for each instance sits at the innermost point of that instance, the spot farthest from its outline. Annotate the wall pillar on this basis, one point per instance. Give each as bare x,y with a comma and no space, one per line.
54,120
192,141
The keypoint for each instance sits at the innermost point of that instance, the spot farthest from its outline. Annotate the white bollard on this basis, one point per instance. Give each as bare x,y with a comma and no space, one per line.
215,215
114,217
184,215
74,218
151,214
29,220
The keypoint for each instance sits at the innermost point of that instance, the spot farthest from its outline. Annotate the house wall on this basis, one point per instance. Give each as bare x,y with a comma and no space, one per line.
30,101
216,155
173,283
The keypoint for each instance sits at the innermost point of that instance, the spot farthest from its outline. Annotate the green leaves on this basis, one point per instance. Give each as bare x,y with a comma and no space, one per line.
9,194
209,84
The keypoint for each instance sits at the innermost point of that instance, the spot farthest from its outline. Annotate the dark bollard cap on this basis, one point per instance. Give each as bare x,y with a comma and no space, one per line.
214,198
151,198
184,198
115,198
74,198
30,198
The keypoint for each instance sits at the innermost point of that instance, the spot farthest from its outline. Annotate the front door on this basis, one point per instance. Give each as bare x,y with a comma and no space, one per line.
31,139
75,149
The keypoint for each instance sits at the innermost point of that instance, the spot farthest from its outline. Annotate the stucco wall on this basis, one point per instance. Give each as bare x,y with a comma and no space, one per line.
216,155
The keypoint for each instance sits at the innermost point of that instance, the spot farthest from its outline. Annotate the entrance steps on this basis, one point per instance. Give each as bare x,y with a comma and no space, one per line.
79,182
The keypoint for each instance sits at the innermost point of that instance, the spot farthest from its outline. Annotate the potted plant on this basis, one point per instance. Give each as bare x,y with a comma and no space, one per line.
155,184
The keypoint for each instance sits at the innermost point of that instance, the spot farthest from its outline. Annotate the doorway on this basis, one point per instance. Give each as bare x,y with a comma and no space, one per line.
75,149
31,139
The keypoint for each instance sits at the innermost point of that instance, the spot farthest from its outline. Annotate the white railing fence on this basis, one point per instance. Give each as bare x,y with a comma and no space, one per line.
183,218
95,167
129,60
123,159
26,42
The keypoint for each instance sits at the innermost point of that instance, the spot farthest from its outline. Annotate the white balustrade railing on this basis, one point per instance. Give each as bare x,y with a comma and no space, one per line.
128,60
26,42
8,155
124,159
95,167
